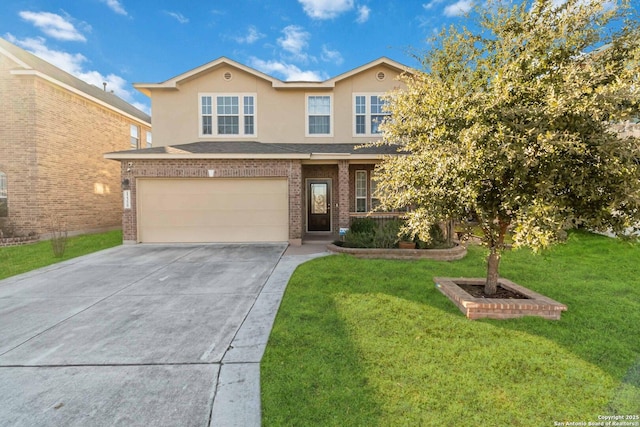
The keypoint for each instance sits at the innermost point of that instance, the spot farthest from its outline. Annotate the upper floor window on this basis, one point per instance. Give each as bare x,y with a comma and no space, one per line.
370,112
149,140
319,115
135,137
4,208
228,114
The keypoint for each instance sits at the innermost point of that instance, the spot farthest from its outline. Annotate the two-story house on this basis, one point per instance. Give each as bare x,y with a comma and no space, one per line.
54,131
240,156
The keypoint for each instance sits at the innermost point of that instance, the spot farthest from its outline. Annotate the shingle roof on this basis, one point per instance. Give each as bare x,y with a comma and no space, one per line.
249,148
61,76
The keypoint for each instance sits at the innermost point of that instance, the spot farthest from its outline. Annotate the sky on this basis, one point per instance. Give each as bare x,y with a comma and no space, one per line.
122,42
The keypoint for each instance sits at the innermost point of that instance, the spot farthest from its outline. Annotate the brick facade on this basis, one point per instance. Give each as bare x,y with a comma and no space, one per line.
341,176
232,168
52,143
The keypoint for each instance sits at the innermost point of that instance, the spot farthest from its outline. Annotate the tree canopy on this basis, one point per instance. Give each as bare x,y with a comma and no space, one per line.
512,121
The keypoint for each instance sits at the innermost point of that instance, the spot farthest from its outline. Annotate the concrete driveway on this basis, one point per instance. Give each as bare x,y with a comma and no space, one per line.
140,335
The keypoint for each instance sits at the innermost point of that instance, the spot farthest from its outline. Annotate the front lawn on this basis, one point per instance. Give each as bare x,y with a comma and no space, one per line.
20,259
373,343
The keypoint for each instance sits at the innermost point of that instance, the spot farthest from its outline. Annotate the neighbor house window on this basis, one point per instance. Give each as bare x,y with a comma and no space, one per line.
135,136
228,114
4,207
149,140
369,113
319,115
361,191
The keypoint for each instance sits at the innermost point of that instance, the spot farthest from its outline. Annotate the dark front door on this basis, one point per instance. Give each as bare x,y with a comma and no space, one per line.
319,205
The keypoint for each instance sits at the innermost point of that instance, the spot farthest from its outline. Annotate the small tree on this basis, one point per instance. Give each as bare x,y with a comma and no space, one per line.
512,121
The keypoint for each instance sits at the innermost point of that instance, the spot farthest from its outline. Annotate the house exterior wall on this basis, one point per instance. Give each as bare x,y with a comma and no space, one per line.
52,143
18,159
280,113
198,168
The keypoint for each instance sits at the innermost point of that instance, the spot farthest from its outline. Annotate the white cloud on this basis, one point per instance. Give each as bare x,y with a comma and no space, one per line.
459,8
289,72
331,55
295,41
326,9
431,4
53,25
75,64
363,14
252,36
606,4
116,6
178,17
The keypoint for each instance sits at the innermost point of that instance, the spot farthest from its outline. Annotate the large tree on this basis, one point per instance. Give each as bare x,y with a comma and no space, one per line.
512,121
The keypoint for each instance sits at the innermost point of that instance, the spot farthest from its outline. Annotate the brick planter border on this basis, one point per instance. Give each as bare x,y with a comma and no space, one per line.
452,254
477,308
18,241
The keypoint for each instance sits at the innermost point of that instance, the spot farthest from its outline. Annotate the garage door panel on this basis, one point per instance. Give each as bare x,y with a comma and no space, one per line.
220,210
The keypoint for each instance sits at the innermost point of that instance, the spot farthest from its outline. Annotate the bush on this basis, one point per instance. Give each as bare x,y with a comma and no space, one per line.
359,240
366,233
386,236
363,225
437,239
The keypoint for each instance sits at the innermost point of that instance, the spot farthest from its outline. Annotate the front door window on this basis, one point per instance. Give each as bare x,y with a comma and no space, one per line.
319,205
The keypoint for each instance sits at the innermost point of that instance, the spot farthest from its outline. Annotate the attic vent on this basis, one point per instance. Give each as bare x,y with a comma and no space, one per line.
380,76
228,76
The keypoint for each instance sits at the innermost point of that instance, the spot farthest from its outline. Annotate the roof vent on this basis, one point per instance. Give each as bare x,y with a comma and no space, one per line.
228,76
380,76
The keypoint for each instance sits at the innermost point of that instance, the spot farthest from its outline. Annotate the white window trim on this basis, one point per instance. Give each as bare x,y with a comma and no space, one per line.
306,116
367,120
3,185
4,192
366,191
214,115
135,137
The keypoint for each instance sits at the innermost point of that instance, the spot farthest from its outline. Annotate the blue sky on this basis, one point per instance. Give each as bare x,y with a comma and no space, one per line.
129,41
122,42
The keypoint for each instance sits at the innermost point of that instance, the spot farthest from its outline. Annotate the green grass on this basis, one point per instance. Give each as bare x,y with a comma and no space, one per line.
20,259
373,343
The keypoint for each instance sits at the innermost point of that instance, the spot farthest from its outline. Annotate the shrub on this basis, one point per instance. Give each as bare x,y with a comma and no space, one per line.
354,239
363,225
386,236
437,239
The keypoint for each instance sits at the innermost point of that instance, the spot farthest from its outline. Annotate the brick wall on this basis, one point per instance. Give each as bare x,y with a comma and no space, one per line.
18,158
198,168
51,148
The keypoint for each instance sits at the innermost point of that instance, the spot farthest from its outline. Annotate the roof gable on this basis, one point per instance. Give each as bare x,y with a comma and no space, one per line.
174,83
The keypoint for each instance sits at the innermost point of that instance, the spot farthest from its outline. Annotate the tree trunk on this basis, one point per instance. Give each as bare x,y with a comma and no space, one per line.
493,262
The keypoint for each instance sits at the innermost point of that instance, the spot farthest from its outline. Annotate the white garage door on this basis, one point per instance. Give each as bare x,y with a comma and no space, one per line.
212,210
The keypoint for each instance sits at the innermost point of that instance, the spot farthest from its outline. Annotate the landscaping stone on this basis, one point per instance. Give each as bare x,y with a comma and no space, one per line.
451,254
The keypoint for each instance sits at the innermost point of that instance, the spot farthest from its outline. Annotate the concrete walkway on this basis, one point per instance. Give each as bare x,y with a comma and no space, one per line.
142,335
237,401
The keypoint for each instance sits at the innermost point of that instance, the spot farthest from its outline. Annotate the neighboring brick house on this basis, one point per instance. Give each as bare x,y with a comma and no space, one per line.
240,156
54,130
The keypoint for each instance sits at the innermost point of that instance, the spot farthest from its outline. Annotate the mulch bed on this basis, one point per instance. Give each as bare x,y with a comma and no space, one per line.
477,291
